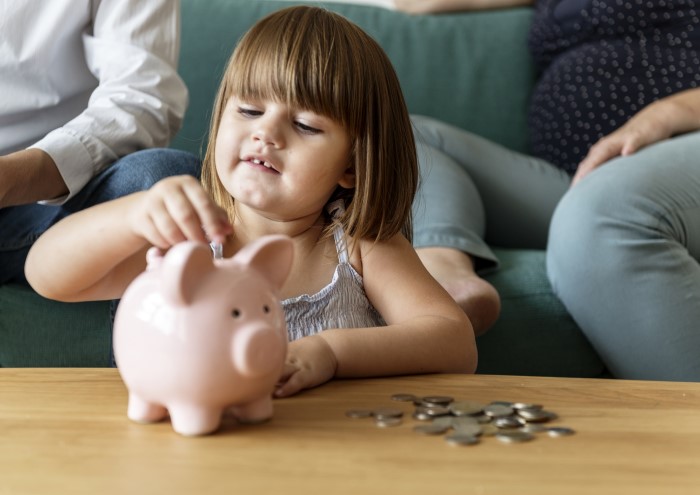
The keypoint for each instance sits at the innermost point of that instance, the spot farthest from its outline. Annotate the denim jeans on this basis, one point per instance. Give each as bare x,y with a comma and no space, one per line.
623,245
20,226
623,257
475,193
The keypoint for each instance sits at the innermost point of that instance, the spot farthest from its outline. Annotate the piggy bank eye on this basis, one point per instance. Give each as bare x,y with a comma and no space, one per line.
266,308
235,313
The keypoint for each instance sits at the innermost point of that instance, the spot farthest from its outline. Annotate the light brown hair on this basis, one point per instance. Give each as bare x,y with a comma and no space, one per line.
316,60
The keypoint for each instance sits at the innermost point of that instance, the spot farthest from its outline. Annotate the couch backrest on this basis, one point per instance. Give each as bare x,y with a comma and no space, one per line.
469,69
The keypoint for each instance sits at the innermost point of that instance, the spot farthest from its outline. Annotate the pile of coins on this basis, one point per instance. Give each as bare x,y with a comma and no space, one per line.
465,422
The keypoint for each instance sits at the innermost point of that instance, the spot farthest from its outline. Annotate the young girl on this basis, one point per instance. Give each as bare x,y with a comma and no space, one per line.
311,138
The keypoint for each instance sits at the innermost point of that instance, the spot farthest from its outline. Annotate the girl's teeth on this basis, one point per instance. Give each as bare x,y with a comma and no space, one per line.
260,162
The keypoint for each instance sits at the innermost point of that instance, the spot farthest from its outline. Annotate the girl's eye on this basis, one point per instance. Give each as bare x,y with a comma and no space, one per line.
249,112
307,129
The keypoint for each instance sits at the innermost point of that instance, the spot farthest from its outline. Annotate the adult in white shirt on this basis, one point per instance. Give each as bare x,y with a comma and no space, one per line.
84,85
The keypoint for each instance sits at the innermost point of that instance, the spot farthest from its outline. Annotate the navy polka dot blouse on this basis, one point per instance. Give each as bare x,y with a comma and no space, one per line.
600,62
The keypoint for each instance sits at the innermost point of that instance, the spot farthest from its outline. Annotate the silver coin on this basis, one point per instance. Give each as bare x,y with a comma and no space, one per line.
430,429
473,429
434,410
501,403
466,408
498,410
526,405
387,412
514,436
422,416
358,413
533,428
461,439
489,430
560,431
404,397
218,250
387,422
446,421
536,415
551,415
458,421
507,422
441,400
482,419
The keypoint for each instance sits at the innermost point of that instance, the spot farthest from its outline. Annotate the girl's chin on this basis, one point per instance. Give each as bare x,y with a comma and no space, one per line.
258,204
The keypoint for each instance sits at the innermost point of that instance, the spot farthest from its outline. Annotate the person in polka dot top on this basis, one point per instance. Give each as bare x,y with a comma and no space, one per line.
600,63
611,188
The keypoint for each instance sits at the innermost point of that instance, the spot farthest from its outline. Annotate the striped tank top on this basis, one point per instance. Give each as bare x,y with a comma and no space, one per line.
342,303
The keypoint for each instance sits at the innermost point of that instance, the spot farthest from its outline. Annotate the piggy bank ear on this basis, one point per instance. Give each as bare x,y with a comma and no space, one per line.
182,270
154,257
271,256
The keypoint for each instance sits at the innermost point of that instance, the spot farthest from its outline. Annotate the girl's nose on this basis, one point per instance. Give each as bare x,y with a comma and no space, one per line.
269,133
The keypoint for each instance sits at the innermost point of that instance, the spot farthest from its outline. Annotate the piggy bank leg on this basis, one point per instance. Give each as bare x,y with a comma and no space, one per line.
190,420
257,411
142,411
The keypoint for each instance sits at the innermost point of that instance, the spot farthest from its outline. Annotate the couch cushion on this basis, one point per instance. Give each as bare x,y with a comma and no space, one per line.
471,70
534,334
37,332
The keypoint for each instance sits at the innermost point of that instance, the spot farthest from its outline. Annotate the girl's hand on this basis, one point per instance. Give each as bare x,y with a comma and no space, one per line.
177,209
310,362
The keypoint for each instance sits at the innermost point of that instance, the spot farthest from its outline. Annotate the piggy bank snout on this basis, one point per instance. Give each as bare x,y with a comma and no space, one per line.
258,349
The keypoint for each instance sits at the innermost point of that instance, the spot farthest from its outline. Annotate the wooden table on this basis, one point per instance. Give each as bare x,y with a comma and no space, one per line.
66,431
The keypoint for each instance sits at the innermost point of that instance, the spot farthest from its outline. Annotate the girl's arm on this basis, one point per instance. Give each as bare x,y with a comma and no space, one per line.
426,331
94,254
90,255
669,116
438,6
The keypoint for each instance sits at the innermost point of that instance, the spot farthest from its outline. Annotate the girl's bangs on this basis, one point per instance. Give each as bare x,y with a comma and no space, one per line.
298,72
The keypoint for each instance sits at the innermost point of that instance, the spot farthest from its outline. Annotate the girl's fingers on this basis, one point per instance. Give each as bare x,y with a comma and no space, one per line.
152,221
168,229
290,387
178,209
286,385
185,218
212,218
153,236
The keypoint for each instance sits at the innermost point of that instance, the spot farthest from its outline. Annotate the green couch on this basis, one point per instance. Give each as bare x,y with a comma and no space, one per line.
471,69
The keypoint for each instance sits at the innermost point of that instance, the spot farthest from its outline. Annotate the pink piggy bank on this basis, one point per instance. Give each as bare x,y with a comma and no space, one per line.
195,336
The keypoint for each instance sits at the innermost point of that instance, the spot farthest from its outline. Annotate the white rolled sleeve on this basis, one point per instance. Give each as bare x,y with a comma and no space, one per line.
140,100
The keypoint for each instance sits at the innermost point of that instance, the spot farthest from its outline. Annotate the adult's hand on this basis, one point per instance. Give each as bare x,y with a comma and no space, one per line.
437,6
660,120
29,176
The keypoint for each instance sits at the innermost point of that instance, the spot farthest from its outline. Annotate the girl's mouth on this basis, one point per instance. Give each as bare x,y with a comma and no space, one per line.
262,163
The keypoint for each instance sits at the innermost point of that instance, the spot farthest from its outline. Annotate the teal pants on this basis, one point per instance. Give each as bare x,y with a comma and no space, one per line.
622,246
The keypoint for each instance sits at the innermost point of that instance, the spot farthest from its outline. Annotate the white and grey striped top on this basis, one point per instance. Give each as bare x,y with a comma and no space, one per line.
342,303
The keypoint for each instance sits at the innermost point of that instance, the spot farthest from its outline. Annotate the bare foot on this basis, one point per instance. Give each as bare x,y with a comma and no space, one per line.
454,270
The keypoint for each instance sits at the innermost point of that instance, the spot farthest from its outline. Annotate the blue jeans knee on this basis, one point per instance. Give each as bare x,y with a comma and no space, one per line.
21,225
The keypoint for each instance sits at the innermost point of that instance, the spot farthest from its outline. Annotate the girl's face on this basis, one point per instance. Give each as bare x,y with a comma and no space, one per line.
282,161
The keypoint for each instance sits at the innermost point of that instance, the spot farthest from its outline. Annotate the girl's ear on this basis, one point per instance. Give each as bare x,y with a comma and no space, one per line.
347,181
